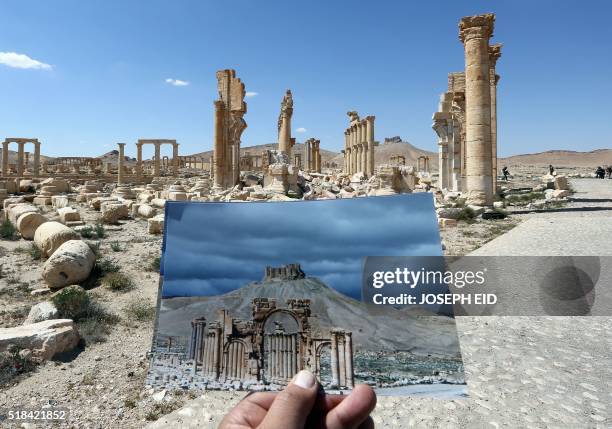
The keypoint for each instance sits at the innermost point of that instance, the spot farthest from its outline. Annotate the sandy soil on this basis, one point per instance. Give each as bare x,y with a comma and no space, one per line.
103,383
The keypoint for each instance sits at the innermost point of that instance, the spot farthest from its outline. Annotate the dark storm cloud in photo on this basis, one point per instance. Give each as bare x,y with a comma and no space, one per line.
213,248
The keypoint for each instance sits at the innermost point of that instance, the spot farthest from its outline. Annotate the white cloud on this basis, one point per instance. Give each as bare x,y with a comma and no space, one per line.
177,82
250,94
301,130
21,61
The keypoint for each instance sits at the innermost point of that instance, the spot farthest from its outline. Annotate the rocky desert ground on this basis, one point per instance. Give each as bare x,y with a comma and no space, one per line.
101,381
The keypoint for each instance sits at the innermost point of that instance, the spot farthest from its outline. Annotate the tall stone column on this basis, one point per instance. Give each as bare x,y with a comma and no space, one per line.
175,159
355,150
219,148
20,159
36,167
475,32
307,155
120,161
370,140
156,160
348,359
494,55
26,162
334,360
5,158
139,161
284,124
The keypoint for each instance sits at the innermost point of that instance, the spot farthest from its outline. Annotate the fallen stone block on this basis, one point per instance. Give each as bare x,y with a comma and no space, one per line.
447,222
40,312
44,339
59,201
561,183
70,264
28,223
51,235
146,211
112,211
18,209
68,214
156,224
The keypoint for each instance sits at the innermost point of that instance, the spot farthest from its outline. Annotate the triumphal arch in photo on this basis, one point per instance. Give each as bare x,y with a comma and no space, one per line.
270,348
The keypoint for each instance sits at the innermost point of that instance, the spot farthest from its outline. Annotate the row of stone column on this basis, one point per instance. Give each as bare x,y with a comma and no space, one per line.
423,164
475,32
283,353
210,353
21,155
359,147
312,152
342,358
235,362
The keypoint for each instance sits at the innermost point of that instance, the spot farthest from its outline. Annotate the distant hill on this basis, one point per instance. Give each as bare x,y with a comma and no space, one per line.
326,155
390,330
563,158
112,156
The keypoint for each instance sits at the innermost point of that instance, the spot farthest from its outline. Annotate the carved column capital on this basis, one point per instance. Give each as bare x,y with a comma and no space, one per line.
477,26
494,54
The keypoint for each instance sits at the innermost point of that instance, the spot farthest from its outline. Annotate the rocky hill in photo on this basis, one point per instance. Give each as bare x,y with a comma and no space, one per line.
389,329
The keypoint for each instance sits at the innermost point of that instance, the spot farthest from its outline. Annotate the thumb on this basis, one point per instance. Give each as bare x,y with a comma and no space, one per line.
291,407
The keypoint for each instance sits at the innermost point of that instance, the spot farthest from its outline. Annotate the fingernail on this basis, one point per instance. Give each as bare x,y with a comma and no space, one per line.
304,379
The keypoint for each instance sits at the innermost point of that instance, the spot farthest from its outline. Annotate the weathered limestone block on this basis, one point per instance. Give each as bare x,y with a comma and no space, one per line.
9,185
25,185
561,183
51,235
158,202
18,209
112,211
70,264
449,213
44,339
60,185
156,224
59,201
68,214
447,223
28,223
125,192
177,193
40,312
237,195
96,202
146,211
277,178
13,200
145,197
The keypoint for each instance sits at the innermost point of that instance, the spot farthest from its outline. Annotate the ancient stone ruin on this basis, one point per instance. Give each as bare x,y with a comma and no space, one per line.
257,351
285,141
229,126
466,121
22,157
359,145
312,153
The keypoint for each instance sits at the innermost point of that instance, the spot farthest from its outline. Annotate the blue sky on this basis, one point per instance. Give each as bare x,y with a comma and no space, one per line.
109,62
231,253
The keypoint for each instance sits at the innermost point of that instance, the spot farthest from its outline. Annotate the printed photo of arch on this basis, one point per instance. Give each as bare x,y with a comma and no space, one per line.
251,293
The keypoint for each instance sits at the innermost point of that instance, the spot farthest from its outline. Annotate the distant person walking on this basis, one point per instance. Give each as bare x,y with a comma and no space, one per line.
551,170
600,173
506,173
609,171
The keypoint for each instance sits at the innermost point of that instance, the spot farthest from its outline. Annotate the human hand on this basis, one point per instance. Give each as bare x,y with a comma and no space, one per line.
303,405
